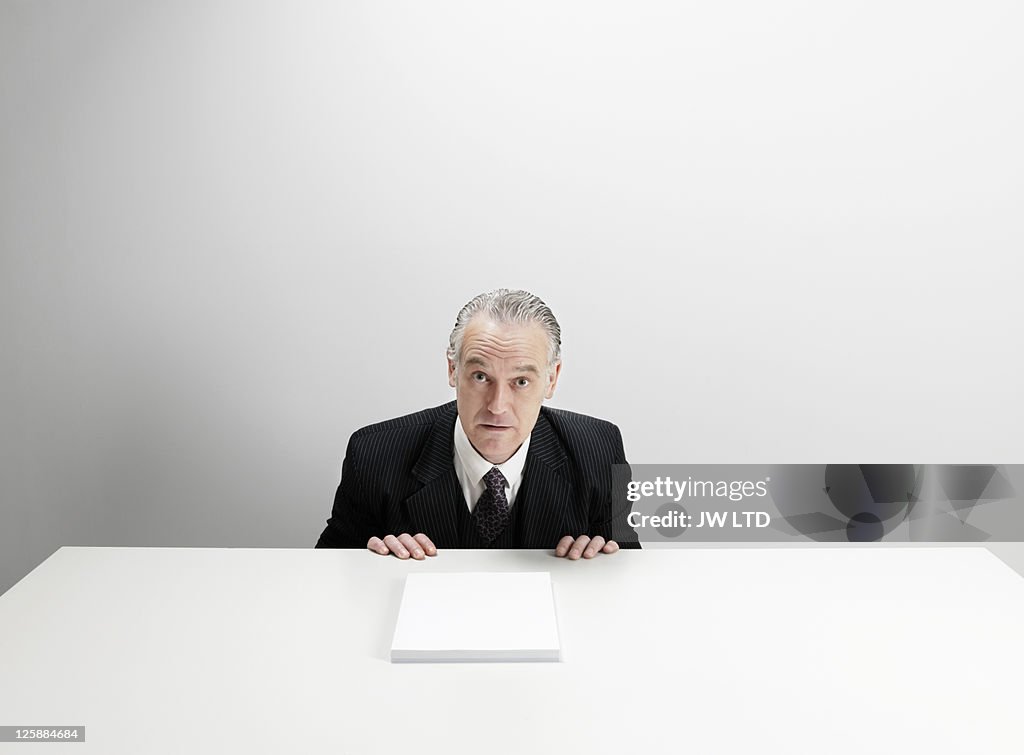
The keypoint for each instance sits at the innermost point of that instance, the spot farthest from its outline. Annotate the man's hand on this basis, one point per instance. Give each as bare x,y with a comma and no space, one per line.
584,546
403,546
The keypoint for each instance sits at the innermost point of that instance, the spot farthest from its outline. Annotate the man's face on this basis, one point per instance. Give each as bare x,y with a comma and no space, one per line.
501,381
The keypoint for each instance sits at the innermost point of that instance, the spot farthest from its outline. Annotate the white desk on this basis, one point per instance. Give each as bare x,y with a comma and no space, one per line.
858,650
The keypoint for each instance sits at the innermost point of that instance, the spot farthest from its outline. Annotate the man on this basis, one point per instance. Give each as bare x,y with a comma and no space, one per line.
494,468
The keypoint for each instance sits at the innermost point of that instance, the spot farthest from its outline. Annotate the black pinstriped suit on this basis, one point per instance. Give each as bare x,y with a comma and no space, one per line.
399,476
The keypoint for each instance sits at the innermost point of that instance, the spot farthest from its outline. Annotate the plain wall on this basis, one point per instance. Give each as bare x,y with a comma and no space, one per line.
233,232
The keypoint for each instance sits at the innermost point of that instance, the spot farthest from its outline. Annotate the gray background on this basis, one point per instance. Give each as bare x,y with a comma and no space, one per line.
232,233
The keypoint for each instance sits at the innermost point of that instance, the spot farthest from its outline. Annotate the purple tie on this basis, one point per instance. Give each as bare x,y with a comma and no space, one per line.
491,510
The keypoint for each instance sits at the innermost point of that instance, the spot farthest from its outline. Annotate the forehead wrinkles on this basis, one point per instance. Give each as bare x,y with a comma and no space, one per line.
518,346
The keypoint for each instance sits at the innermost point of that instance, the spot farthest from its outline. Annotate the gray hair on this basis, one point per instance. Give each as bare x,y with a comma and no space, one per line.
509,307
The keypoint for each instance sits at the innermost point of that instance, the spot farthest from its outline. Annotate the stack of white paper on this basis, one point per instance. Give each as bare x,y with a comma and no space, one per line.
477,616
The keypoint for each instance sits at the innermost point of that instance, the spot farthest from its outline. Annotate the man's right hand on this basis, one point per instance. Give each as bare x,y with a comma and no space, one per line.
403,546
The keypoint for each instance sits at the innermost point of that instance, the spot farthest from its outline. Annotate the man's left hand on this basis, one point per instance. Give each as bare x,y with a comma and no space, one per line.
584,546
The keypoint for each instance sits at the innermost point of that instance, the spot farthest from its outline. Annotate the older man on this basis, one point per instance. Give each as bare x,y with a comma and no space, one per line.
494,468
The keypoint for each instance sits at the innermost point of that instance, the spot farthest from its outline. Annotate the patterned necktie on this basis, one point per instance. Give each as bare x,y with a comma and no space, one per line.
491,510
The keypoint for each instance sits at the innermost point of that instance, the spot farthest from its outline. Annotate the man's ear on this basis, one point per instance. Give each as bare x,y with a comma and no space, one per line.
451,372
553,380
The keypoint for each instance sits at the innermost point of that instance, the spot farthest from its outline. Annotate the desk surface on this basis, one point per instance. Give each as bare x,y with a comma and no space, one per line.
831,650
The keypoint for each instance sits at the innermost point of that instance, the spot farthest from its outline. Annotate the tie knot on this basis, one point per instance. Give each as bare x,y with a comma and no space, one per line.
495,481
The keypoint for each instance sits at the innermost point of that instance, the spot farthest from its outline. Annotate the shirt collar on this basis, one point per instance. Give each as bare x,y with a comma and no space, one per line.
476,466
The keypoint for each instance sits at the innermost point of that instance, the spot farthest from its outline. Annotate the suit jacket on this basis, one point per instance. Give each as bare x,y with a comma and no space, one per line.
399,476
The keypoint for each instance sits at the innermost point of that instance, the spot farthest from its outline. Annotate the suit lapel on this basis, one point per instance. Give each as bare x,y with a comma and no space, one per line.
430,509
547,491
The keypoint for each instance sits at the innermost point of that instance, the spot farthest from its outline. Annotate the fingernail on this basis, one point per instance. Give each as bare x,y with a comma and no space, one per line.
418,554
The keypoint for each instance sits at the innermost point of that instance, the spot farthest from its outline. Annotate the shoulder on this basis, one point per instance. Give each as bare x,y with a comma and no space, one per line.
592,444
397,444
582,430
574,421
409,424
399,440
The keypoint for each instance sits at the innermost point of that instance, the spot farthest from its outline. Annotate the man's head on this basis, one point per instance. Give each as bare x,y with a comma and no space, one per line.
504,357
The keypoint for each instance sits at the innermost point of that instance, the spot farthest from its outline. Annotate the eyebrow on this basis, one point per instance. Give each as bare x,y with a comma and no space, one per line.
477,361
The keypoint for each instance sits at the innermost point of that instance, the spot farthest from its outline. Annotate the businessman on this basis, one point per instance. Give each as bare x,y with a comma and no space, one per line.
494,468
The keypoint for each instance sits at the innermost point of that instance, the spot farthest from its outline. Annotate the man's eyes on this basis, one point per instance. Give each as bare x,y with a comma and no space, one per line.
522,382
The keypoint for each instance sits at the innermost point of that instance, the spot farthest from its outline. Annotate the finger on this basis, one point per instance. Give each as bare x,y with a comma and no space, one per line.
428,547
376,545
610,547
411,545
395,546
577,548
594,548
563,546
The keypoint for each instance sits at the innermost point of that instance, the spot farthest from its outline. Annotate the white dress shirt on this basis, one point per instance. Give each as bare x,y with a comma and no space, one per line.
471,467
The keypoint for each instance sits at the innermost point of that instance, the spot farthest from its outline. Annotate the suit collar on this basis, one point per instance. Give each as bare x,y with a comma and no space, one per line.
548,492
436,457
430,509
471,467
545,447
544,500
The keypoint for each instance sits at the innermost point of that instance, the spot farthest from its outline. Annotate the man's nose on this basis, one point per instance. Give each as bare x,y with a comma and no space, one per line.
499,398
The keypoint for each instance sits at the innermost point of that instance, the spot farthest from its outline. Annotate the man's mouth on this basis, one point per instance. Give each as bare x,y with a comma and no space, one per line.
495,427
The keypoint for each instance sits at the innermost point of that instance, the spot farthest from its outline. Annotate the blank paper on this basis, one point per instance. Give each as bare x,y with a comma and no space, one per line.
477,616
